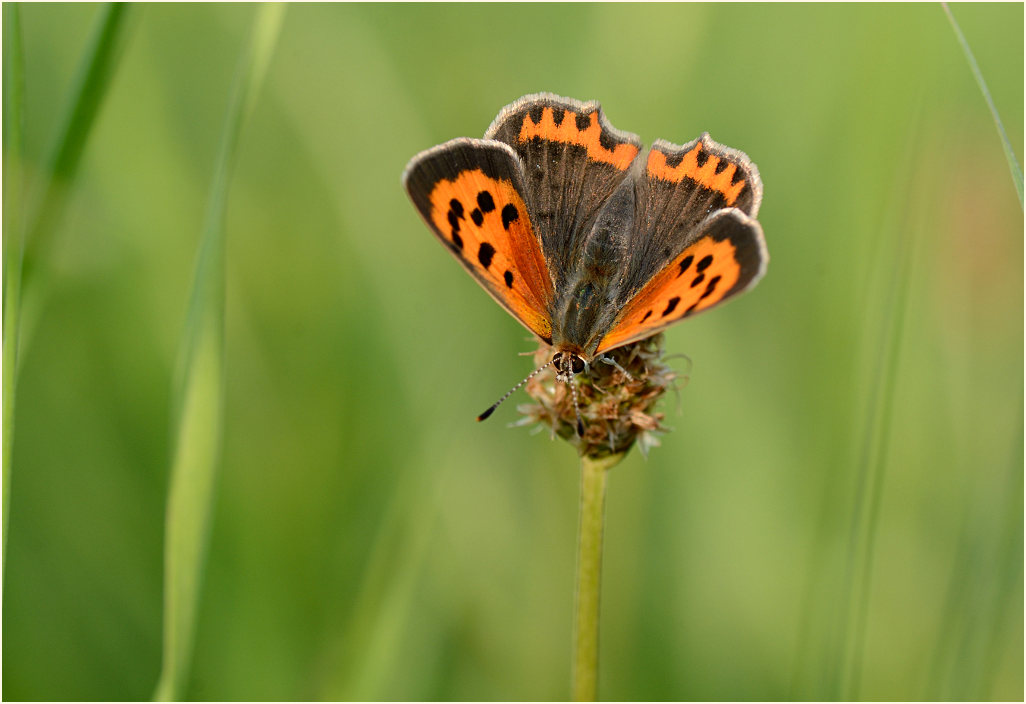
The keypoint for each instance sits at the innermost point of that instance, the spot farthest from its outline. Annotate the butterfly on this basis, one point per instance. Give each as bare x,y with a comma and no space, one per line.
586,241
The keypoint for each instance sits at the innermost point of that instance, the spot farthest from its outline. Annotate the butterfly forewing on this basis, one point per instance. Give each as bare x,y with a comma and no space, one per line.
573,161
469,192
727,255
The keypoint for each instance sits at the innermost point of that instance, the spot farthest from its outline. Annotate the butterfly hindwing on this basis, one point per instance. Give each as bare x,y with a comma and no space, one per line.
470,192
726,255
573,161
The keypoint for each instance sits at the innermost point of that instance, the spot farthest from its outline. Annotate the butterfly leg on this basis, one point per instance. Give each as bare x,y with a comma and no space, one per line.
613,362
568,366
577,408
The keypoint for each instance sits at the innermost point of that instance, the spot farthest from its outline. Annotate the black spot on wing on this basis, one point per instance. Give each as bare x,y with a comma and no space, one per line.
509,215
673,160
744,195
606,141
485,254
477,217
646,316
671,305
701,158
704,263
698,279
454,215
710,287
557,116
508,277
583,122
684,264
535,113
485,202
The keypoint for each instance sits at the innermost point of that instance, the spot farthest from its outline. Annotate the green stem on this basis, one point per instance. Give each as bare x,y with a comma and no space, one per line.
13,235
589,575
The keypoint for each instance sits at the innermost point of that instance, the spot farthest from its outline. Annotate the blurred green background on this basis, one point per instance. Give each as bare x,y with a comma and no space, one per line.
837,512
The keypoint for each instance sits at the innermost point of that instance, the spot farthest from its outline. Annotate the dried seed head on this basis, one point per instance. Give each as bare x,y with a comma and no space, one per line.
616,399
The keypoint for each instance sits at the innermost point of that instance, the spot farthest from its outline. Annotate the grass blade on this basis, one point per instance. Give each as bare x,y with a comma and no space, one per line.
14,123
197,412
26,241
845,674
1013,164
882,432
95,73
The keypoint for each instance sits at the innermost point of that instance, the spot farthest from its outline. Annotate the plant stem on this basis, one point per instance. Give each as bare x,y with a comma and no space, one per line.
589,575
13,122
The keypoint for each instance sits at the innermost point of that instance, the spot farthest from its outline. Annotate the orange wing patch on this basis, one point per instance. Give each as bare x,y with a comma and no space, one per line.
706,174
582,130
698,278
486,223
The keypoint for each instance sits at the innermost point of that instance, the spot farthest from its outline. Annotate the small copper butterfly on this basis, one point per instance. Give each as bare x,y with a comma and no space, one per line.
589,246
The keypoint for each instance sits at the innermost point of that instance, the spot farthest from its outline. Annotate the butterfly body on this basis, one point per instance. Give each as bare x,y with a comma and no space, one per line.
588,241
587,306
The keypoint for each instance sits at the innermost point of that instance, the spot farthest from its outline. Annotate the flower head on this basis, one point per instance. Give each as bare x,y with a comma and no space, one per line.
616,398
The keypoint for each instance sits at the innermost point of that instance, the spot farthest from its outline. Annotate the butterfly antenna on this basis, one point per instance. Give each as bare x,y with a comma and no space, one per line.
491,409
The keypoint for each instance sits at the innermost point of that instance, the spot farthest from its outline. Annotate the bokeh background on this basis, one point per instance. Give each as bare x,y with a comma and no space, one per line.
837,512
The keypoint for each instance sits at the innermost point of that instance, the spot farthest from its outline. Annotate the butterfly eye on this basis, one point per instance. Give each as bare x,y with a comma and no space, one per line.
556,357
576,364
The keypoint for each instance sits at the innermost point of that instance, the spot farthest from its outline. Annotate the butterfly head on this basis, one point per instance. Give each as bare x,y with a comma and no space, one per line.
567,365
